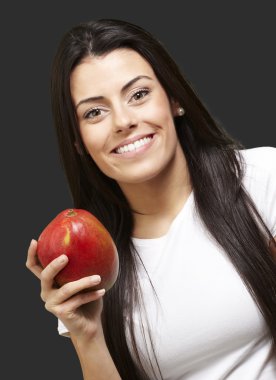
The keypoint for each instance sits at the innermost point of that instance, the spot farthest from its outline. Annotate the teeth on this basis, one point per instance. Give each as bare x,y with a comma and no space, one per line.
131,147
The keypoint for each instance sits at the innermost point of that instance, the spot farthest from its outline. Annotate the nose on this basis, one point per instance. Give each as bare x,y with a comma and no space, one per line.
124,119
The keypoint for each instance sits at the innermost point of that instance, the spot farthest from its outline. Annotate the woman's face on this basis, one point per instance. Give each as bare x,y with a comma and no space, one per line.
125,117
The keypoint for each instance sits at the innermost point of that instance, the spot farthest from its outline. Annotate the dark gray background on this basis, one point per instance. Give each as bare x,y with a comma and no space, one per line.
226,50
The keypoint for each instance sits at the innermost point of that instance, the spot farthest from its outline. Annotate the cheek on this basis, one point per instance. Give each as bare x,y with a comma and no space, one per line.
93,140
160,112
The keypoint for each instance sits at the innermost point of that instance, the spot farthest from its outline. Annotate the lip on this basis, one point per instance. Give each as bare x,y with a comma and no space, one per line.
132,140
136,153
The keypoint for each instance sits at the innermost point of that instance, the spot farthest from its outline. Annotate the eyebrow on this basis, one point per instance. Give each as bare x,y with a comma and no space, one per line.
124,88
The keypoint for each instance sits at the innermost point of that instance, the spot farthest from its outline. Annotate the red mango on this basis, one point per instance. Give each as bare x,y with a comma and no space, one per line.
87,243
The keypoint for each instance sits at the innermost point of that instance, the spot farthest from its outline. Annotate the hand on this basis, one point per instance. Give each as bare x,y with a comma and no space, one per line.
76,304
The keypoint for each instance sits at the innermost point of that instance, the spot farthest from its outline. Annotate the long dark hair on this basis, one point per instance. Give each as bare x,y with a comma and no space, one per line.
216,169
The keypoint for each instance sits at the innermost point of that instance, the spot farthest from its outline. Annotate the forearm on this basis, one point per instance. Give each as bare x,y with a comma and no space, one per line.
95,360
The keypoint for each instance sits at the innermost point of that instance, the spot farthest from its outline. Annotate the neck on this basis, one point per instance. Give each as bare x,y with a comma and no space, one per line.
156,202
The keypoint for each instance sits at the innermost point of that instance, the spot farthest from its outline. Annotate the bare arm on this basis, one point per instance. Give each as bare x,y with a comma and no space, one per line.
79,307
95,359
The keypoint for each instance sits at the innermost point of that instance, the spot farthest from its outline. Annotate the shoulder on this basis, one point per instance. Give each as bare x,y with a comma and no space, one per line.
260,181
262,158
259,166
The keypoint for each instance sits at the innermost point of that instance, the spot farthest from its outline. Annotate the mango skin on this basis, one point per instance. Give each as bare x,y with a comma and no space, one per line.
87,243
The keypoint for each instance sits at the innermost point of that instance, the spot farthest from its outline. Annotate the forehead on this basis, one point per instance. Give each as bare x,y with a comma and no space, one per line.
114,68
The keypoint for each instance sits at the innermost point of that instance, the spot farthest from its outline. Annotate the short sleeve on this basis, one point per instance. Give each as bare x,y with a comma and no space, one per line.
260,181
62,330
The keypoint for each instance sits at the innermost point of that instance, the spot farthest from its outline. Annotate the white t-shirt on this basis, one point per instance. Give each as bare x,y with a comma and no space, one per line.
205,325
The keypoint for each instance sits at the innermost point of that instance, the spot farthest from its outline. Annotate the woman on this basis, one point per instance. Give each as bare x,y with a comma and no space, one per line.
192,212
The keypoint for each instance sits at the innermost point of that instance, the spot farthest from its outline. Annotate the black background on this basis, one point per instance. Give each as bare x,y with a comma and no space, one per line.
225,49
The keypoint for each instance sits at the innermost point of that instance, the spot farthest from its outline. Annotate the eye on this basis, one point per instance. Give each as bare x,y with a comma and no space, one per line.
140,94
93,113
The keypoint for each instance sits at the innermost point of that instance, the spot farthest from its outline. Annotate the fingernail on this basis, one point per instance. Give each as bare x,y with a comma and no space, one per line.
62,259
31,243
95,279
101,292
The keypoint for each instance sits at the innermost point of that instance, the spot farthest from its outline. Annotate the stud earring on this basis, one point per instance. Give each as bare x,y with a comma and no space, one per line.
180,111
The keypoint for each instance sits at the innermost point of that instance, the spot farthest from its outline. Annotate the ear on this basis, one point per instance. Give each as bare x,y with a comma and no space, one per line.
78,149
177,109
174,106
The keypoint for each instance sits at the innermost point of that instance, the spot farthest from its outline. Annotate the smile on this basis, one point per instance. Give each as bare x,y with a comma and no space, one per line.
134,145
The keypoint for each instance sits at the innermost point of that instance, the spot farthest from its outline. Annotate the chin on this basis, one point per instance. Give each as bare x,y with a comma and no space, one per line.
140,178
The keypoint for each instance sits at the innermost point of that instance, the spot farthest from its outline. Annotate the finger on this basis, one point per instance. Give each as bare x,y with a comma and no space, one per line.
32,262
68,308
50,271
72,288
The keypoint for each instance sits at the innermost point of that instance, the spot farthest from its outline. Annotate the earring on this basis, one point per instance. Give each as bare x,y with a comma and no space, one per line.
180,111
